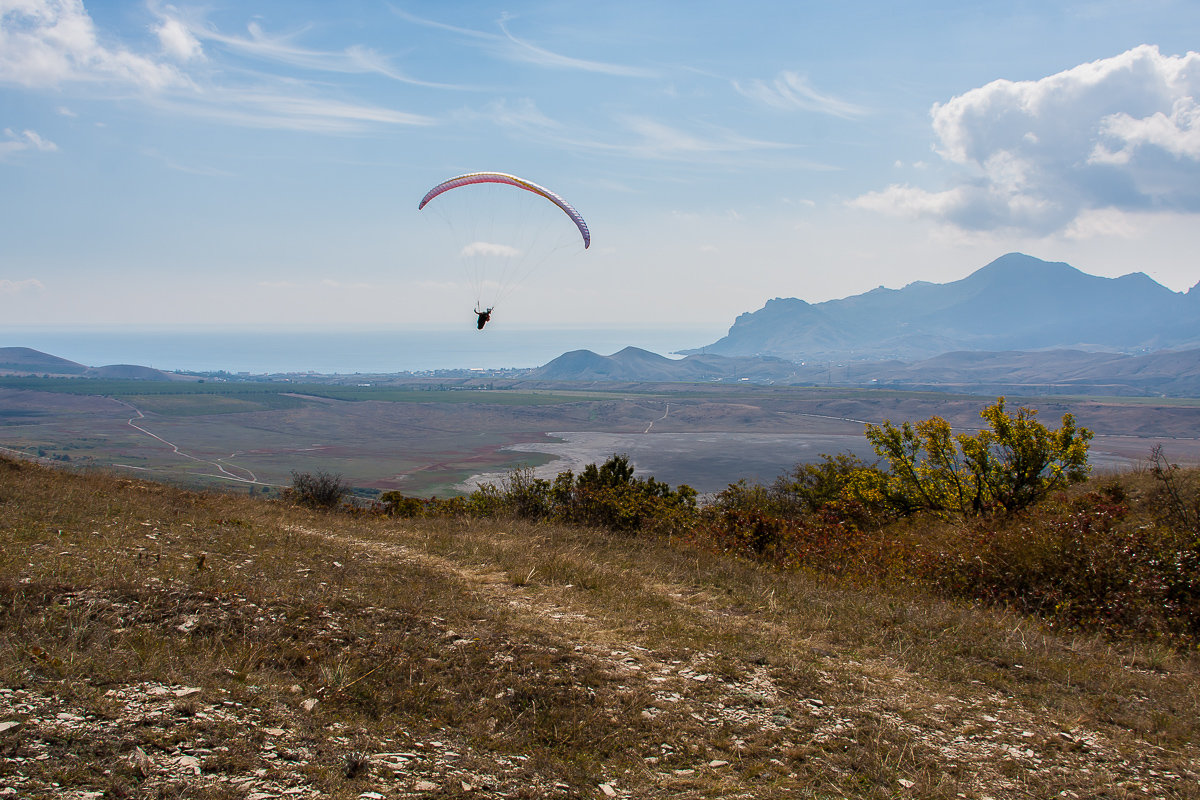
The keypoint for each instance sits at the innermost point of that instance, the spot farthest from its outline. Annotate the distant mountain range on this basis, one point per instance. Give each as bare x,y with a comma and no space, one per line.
27,361
1017,326
1017,302
1171,374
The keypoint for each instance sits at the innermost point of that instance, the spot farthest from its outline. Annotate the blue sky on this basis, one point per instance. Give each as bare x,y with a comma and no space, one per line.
230,164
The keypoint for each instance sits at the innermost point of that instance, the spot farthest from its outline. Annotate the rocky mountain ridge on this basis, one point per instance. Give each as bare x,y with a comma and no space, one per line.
1016,302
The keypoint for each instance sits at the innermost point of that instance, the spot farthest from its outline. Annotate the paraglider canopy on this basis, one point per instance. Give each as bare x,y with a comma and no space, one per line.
501,229
472,178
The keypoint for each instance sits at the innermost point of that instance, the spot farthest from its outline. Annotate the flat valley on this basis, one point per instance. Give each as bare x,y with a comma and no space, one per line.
439,438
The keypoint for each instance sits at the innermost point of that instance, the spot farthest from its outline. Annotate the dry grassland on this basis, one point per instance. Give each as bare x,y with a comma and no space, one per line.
159,643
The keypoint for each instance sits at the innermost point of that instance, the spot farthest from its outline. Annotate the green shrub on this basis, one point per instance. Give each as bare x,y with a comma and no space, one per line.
395,504
316,490
606,495
1011,465
609,496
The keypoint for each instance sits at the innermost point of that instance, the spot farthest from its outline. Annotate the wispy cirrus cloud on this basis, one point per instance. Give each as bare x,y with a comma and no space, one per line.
265,107
507,46
791,91
280,48
640,137
522,50
634,136
14,142
8,286
654,139
1042,156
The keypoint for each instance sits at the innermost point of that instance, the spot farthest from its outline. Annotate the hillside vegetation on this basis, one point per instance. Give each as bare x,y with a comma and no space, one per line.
156,642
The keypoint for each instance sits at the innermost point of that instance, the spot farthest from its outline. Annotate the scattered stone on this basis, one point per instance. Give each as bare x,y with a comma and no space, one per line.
188,691
608,790
716,762
425,786
189,763
141,763
309,704
8,725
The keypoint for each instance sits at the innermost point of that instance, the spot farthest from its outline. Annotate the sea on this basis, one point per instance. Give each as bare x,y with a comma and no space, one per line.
342,351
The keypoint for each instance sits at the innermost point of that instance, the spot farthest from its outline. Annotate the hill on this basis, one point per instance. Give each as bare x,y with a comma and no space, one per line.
156,642
635,364
26,361
1017,302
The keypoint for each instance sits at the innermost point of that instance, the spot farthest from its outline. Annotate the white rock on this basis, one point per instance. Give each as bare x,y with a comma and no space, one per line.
190,763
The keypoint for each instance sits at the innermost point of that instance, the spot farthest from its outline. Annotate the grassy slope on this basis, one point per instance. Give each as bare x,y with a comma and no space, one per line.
160,643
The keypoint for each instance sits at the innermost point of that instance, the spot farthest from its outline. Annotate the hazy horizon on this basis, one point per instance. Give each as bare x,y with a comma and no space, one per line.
168,164
345,350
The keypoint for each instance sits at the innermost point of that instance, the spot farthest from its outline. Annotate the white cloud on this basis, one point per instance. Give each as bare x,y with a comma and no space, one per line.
49,42
791,91
523,114
507,46
332,284
639,137
661,141
490,249
524,51
17,287
1119,133
25,140
178,42
283,49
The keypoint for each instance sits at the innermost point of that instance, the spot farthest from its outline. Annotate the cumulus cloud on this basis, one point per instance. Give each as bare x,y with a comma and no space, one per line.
1121,133
8,286
178,42
47,42
25,140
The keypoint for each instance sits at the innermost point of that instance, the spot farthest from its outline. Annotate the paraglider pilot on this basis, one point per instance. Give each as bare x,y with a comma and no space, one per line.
484,316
